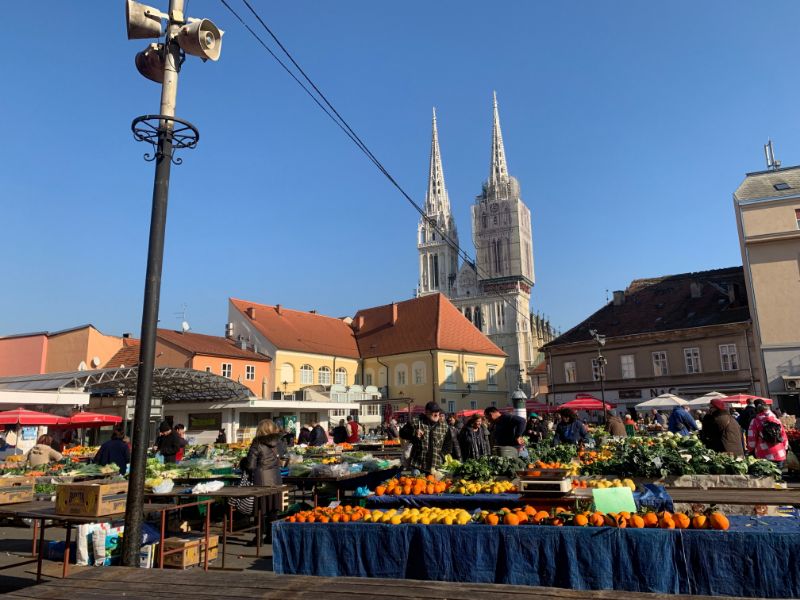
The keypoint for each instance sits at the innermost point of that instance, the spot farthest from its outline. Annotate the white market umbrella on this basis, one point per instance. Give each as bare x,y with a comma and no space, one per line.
662,402
705,401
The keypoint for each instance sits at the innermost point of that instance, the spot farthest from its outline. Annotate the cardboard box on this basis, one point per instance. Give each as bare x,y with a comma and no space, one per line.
91,499
16,489
192,551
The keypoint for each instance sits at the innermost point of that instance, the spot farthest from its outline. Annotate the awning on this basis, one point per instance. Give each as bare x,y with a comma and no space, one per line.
21,416
89,419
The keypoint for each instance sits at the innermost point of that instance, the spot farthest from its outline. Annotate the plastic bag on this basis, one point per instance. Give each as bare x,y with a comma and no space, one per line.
654,497
164,487
211,486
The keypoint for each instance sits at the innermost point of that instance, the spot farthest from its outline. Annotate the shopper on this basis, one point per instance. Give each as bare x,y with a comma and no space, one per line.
681,422
473,439
318,436
42,454
168,443
180,430
222,437
304,437
392,432
114,451
659,418
720,431
264,466
506,431
430,439
570,429
453,428
615,426
766,437
352,430
340,433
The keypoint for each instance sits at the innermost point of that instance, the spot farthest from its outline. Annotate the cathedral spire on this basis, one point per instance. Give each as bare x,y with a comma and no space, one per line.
436,200
498,172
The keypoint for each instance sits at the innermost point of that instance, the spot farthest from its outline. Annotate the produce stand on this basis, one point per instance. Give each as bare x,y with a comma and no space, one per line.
654,560
488,501
178,495
745,496
341,483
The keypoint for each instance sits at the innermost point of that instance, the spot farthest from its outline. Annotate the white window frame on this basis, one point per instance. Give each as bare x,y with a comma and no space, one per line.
628,370
306,375
324,375
570,371
451,406
340,377
373,410
491,375
249,373
287,373
400,375
450,378
728,357
471,373
227,370
368,378
473,404
660,363
691,360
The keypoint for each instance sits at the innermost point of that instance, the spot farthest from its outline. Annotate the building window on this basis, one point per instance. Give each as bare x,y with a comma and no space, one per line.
306,374
401,375
570,372
324,376
341,376
494,402
451,406
691,357
249,373
449,375
227,369
628,366
337,412
660,364
373,410
490,375
596,369
208,369
368,379
473,404
728,358
419,376
797,216
287,373
470,373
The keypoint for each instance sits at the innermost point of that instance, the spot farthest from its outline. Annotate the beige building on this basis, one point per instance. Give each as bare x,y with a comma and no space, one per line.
686,334
767,207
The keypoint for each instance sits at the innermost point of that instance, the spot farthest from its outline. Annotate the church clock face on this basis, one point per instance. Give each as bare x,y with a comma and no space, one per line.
494,207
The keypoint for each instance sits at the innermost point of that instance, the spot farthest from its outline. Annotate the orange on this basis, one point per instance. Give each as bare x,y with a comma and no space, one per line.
540,516
699,522
597,520
380,490
492,519
650,519
529,510
666,523
580,520
682,521
636,522
510,519
718,521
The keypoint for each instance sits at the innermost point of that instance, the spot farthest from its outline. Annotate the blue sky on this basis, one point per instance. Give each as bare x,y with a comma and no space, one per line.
628,124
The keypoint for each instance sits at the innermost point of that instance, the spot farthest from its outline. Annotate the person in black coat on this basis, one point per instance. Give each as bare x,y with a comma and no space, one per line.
318,437
340,433
263,464
304,437
168,443
114,451
507,432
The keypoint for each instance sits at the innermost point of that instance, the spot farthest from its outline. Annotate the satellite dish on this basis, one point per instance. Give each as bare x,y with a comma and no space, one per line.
82,366
96,362
185,326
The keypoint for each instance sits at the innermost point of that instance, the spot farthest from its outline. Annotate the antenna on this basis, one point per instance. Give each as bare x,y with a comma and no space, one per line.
769,153
182,316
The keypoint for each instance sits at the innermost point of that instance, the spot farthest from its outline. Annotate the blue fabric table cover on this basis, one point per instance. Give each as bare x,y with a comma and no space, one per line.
483,501
755,558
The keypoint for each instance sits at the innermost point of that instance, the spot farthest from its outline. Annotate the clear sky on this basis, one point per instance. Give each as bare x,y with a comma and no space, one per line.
628,124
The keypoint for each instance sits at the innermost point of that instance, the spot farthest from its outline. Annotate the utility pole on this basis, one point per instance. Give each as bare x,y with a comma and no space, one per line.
160,63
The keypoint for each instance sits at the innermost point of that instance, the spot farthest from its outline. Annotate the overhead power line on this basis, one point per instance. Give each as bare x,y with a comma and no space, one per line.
327,107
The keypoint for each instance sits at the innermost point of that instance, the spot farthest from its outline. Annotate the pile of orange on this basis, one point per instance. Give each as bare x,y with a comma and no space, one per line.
412,486
340,514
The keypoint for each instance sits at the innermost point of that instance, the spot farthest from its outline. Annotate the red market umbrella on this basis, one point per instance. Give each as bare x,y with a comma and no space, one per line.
743,398
469,413
88,419
586,403
539,407
22,416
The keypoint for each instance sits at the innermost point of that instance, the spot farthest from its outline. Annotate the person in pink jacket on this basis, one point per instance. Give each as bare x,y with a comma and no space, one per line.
766,436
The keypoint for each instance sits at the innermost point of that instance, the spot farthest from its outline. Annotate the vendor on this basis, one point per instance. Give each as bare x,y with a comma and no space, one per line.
507,431
570,429
114,451
42,454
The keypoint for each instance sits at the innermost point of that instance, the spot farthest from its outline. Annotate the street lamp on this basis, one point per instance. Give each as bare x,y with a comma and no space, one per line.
518,398
285,383
159,62
601,369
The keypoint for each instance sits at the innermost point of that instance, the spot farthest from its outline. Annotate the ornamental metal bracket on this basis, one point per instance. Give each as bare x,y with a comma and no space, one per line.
150,128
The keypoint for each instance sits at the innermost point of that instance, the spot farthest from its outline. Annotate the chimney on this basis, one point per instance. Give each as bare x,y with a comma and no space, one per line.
695,288
278,309
126,336
243,344
228,330
619,298
359,322
313,311
394,313
251,313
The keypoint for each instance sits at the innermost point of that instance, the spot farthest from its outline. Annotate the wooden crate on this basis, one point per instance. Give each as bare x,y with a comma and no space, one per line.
91,499
192,551
16,489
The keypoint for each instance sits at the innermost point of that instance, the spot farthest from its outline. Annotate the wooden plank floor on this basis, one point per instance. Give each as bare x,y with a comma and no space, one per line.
156,584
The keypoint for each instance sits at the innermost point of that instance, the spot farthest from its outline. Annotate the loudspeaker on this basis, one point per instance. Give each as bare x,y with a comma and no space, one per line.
143,21
201,38
150,63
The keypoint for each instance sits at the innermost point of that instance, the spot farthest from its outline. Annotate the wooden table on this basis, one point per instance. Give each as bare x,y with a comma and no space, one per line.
41,512
152,584
342,482
753,496
178,494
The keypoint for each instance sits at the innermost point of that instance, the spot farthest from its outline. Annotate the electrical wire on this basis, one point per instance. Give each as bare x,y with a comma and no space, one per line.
336,117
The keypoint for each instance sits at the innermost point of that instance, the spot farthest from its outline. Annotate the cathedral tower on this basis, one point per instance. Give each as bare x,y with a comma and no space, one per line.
438,254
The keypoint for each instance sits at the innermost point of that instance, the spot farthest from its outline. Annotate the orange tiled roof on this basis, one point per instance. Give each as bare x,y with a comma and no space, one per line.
425,323
128,355
198,343
301,331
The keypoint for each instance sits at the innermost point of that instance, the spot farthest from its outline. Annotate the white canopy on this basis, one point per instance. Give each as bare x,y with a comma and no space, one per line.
705,401
664,401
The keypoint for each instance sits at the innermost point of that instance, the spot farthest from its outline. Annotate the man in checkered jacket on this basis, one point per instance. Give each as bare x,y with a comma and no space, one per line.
759,442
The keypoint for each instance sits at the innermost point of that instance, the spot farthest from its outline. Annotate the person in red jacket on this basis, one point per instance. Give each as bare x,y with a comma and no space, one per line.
352,430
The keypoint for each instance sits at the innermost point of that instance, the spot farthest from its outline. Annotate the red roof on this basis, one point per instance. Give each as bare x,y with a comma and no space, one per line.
300,331
425,323
127,356
199,343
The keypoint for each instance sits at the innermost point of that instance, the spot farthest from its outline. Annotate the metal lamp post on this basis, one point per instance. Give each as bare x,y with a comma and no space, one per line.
601,368
519,397
161,63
